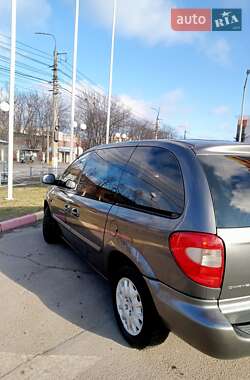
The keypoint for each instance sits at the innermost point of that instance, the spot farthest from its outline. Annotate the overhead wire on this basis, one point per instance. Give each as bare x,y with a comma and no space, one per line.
27,52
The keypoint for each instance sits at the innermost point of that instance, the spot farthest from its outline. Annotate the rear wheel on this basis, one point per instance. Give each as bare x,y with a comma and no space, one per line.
134,310
51,231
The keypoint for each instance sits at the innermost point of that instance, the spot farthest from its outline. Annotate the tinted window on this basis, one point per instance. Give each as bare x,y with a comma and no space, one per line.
74,171
102,173
153,182
229,182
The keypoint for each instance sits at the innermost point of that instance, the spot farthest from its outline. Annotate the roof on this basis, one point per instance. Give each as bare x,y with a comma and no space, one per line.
215,146
3,142
197,146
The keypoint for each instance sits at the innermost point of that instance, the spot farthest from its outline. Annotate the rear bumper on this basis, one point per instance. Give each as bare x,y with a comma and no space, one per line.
199,322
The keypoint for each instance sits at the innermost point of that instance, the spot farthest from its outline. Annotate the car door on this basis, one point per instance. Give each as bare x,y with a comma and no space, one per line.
60,196
95,195
150,202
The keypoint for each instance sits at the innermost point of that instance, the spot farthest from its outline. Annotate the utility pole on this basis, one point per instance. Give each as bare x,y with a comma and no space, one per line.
185,134
157,123
47,139
55,126
55,92
239,135
12,99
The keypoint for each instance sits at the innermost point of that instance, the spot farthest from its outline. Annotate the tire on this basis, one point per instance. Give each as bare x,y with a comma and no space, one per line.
51,231
147,327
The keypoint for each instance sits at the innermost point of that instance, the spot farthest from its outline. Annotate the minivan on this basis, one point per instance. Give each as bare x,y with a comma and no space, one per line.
168,223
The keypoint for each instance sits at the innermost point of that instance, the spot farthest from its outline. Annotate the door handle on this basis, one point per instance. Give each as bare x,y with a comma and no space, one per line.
75,211
66,207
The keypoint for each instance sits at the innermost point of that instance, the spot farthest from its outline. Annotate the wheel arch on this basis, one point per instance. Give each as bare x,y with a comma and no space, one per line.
117,259
45,205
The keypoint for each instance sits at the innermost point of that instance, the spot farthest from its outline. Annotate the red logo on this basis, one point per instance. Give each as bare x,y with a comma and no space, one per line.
191,19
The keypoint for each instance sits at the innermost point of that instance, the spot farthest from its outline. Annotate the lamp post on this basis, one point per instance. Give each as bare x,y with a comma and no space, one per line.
4,106
12,99
55,91
74,68
111,71
243,106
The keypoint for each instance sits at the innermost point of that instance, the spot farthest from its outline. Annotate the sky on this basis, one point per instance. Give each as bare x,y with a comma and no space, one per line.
196,78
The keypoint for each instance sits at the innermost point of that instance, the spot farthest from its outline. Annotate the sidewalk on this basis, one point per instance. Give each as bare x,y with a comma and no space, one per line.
22,221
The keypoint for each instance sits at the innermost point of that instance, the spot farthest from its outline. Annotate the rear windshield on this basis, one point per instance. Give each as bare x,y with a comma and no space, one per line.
229,181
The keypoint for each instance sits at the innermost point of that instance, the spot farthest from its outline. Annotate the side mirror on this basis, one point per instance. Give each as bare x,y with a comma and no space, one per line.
70,184
49,179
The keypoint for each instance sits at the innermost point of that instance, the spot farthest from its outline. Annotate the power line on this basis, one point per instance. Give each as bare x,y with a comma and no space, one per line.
44,64
25,75
25,56
68,64
65,71
41,52
23,65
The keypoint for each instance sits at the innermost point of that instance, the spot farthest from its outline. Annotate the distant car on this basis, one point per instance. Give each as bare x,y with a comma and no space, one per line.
168,223
27,158
3,178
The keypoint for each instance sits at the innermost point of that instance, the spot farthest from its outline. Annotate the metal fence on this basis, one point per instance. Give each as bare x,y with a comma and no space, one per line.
27,174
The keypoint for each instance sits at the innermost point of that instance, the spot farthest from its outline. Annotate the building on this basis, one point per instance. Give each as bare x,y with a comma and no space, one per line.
64,147
245,129
28,147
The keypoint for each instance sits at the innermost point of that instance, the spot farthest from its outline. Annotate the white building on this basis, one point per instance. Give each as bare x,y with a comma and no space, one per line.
245,129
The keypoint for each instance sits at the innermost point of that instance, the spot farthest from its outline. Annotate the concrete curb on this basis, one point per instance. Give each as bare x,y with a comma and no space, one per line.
25,220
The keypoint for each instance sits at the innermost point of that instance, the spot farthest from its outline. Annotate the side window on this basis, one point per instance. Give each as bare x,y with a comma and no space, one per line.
102,172
74,171
152,182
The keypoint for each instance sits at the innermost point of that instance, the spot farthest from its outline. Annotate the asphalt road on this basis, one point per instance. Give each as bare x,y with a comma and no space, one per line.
56,322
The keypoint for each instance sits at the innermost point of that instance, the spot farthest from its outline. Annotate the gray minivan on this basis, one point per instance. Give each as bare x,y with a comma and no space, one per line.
168,223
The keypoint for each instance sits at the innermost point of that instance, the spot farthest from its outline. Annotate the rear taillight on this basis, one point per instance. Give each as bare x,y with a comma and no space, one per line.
200,256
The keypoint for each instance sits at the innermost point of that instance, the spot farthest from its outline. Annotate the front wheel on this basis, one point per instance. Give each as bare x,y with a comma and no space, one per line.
51,231
134,310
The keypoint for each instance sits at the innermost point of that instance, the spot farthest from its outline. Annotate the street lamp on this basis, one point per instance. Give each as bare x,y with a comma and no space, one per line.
4,106
243,106
50,35
74,72
111,71
12,99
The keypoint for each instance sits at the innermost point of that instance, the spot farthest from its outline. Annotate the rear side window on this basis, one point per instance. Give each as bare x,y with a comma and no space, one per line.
152,182
102,172
229,181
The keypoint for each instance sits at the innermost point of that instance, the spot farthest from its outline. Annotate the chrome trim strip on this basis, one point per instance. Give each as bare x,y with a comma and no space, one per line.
77,234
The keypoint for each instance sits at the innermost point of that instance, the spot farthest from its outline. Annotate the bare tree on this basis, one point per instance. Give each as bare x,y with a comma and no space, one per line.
92,110
33,117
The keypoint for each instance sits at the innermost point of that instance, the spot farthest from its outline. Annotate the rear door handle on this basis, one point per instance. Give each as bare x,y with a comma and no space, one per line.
75,211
